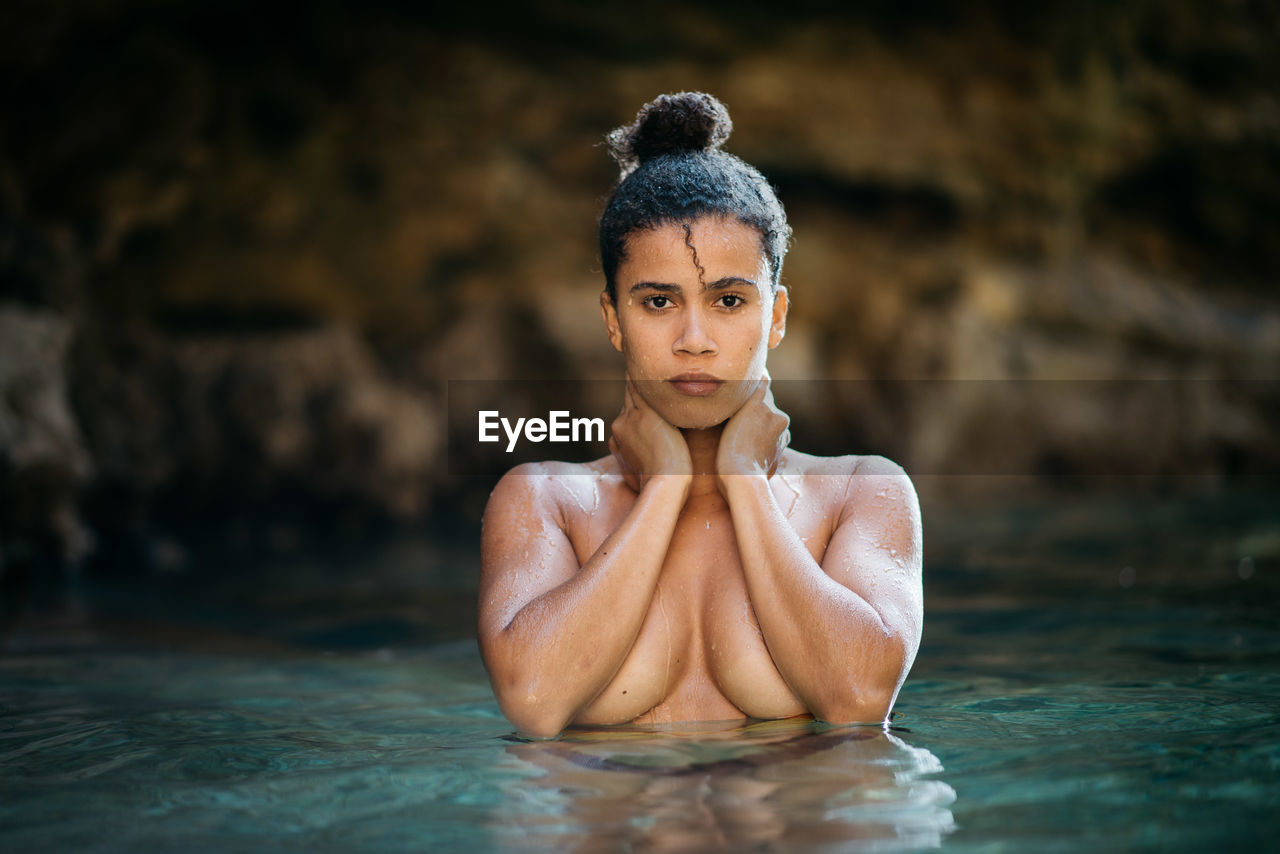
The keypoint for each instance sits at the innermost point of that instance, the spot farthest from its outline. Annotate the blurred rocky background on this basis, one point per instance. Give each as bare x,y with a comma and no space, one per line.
245,246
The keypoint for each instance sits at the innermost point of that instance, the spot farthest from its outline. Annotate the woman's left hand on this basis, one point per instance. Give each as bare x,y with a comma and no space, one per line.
755,438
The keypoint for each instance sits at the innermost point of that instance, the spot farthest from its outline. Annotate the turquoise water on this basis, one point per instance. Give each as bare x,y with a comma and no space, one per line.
1065,699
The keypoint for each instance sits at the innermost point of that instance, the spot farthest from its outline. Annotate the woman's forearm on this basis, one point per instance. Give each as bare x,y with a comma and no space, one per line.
831,646
561,649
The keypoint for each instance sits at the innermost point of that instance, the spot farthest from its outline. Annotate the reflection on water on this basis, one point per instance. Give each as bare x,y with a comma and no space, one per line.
706,787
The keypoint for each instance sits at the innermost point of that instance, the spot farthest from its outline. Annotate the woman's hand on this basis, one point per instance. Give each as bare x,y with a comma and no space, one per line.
755,438
645,444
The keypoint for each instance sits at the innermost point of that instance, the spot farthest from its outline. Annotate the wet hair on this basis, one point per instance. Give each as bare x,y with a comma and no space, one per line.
673,171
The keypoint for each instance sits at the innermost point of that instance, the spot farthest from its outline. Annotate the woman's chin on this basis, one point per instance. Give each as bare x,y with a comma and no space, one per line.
697,412
698,425
699,417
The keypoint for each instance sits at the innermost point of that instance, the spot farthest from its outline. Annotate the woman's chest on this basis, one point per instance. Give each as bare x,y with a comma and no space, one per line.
700,653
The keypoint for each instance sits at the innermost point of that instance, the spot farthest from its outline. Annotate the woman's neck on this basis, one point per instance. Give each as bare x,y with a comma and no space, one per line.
703,446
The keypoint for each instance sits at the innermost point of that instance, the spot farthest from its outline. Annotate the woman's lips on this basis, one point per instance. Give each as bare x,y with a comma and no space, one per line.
696,384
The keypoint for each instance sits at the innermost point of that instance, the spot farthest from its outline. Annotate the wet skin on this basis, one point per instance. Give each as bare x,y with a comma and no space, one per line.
703,571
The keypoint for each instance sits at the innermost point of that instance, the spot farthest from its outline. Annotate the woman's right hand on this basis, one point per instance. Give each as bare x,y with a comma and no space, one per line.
645,444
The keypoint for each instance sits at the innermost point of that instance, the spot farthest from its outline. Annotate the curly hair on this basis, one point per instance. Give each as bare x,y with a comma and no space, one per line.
673,171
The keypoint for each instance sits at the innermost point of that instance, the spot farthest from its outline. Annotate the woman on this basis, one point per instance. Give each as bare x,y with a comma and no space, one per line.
703,570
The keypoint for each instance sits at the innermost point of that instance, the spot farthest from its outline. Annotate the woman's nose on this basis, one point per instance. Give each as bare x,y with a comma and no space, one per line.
695,335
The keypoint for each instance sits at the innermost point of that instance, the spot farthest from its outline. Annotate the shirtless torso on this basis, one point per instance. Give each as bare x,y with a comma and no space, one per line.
700,653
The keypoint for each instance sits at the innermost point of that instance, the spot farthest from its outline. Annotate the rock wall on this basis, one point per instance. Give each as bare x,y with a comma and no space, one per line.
243,248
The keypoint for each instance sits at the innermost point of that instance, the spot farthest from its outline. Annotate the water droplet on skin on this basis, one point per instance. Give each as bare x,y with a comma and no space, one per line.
794,497
589,514
708,524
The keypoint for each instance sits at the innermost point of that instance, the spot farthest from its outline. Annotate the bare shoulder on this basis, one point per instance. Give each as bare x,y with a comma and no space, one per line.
529,487
873,464
547,488
879,484
525,544
843,467
799,462
860,483
877,534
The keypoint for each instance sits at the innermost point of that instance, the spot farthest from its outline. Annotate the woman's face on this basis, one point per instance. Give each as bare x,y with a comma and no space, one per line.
695,317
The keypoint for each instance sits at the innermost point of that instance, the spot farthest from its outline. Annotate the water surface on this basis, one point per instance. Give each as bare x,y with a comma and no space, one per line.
1065,699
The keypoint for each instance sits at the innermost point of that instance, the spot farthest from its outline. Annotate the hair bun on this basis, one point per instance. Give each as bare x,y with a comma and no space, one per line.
669,124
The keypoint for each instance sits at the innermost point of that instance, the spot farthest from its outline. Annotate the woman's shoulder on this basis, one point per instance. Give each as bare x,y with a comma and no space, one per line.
548,485
798,462
550,470
868,486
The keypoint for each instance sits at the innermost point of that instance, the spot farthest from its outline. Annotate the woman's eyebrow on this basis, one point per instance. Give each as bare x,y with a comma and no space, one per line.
728,282
655,286
718,284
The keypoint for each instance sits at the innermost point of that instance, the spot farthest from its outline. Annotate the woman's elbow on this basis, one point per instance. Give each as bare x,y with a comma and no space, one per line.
859,705
531,714
867,697
536,723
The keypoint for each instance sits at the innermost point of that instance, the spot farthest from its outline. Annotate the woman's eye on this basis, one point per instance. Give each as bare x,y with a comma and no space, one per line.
731,300
658,301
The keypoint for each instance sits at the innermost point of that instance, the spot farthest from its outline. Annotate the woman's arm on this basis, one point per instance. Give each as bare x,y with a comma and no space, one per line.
843,634
553,634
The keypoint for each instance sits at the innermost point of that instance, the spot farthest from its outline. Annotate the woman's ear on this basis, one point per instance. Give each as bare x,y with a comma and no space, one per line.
778,327
610,314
